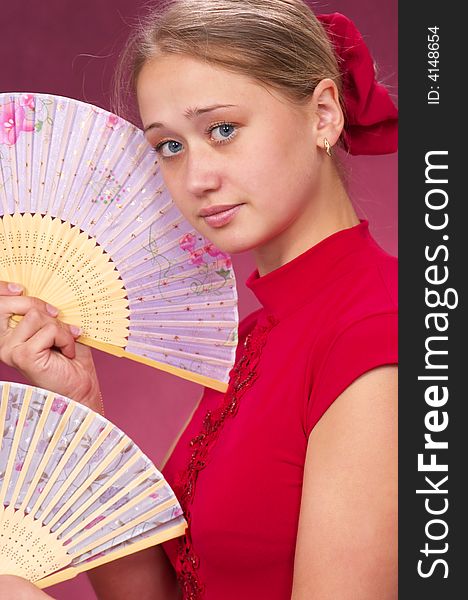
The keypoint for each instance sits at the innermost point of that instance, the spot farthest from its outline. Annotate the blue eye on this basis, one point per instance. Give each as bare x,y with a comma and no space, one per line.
168,149
223,132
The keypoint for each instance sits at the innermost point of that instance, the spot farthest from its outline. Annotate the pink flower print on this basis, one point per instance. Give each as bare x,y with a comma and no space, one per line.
18,466
12,122
212,250
94,522
59,406
188,242
154,496
112,121
196,257
28,100
225,263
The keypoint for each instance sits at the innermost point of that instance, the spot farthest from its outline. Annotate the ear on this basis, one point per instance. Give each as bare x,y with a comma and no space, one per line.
329,119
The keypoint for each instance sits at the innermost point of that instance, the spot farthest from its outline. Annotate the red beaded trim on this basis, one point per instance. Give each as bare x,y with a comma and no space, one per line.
243,375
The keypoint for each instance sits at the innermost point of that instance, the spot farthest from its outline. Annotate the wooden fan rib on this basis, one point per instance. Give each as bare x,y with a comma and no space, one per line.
32,448
15,443
39,277
124,528
101,510
92,499
42,496
14,273
79,492
187,373
6,387
70,572
43,463
52,503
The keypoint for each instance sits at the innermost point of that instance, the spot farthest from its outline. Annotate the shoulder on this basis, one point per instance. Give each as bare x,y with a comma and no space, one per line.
350,495
359,330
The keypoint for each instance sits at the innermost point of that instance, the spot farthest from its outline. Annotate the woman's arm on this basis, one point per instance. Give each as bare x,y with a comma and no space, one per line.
347,539
145,575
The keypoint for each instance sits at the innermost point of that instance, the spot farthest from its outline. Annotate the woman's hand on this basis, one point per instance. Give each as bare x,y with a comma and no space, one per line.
44,350
17,588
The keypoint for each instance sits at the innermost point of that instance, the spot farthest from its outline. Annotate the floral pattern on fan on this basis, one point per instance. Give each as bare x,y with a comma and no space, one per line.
172,300
75,491
24,116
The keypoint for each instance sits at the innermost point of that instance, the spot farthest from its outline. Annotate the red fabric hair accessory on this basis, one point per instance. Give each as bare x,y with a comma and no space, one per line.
371,117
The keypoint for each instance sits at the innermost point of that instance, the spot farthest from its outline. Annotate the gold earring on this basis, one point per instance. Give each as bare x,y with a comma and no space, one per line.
326,143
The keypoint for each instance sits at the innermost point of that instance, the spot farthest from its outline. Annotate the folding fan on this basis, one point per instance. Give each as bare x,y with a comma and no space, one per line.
75,491
87,225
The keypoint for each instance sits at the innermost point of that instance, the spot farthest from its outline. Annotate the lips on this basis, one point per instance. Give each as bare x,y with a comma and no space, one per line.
214,210
221,215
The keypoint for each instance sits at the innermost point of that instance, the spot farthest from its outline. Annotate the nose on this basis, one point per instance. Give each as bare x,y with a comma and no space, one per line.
202,174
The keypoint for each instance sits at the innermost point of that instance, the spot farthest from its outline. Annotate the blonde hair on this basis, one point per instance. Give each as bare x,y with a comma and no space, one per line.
279,43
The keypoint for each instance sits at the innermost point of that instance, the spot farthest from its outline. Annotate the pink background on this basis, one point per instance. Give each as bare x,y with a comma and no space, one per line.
69,48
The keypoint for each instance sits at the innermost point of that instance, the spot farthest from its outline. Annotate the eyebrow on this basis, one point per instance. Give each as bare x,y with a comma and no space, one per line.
191,113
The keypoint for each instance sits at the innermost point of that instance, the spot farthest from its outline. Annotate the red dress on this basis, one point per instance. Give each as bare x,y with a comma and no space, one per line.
328,316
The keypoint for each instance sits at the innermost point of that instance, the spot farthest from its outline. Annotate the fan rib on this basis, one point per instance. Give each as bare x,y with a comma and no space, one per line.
32,448
85,523
76,469
14,446
70,572
124,528
66,455
77,514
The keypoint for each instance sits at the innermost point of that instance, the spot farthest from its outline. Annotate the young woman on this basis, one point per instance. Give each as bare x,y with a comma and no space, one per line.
288,481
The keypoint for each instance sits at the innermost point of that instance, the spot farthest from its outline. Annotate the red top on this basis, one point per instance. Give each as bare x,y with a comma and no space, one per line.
328,316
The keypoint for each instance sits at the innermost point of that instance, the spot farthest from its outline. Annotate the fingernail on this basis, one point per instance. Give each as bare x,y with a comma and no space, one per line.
52,310
76,331
15,287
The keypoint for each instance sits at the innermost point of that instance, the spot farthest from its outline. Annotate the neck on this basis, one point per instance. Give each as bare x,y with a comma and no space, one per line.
329,211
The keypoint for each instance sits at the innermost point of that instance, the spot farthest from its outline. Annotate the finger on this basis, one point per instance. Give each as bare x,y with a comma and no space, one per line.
33,322
20,305
43,341
8,288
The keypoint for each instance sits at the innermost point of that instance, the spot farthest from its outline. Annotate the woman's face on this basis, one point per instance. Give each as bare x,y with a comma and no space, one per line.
230,146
